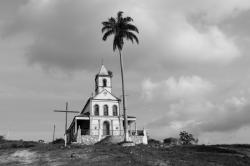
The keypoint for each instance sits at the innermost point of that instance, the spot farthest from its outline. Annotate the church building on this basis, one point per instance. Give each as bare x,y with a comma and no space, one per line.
102,117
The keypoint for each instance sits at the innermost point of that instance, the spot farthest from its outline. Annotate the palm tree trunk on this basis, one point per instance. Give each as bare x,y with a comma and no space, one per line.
123,101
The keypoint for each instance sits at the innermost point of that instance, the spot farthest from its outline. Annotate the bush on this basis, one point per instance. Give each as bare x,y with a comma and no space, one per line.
41,141
58,141
29,144
2,139
187,139
171,141
153,141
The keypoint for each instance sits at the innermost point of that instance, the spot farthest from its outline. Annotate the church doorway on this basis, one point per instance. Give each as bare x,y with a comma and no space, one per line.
106,128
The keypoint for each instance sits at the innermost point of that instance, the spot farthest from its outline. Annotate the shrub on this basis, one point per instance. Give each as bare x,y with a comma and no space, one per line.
29,144
187,139
14,145
41,141
58,141
153,141
2,139
171,141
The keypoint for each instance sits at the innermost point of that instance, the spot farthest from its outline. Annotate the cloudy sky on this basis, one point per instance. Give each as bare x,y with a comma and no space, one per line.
190,71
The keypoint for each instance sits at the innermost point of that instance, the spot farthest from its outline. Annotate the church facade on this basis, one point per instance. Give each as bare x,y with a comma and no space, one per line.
101,116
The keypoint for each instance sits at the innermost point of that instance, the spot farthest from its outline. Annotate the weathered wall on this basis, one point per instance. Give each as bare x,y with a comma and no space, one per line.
139,139
88,139
135,139
92,139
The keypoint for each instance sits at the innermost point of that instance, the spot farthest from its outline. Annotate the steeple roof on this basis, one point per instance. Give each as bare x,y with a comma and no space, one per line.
103,71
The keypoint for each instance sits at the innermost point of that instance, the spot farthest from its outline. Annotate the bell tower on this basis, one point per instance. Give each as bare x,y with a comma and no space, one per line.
103,80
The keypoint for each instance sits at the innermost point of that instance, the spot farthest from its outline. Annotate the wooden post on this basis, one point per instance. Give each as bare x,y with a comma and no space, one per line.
66,119
76,126
135,129
54,133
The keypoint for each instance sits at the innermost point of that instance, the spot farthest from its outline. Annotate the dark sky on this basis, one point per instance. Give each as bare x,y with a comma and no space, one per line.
189,72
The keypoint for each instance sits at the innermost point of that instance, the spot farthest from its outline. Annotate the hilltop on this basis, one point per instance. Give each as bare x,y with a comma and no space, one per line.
33,153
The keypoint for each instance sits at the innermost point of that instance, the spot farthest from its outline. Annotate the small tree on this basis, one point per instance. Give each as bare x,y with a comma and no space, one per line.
187,139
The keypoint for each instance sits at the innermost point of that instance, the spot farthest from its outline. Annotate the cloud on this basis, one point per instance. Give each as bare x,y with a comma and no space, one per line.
188,40
212,11
172,88
63,35
203,117
231,115
66,35
188,32
190,45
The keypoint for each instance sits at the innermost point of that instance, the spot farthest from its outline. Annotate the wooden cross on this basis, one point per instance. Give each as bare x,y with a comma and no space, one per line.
66,119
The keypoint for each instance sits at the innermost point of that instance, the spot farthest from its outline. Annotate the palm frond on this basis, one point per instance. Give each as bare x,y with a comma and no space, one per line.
118,42
107,34
106,23
112,20
130,35
131,27
119,15
106,28
127,19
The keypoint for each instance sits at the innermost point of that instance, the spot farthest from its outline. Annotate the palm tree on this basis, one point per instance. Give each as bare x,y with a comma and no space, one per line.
121,28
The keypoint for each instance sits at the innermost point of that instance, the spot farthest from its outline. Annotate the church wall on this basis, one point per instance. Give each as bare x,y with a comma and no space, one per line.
101,103
94,127
106,96
115,128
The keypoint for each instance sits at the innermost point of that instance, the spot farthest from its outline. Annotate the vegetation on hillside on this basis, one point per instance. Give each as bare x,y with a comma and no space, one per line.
155,153
187,138
146,155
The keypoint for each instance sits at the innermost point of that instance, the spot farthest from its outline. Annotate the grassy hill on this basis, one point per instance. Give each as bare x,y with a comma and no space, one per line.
32,153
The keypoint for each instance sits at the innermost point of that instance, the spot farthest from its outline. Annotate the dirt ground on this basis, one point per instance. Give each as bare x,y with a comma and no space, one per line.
106,155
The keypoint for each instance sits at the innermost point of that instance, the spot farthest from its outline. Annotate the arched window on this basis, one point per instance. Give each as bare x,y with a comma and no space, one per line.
105,110
104,82
115,110
96,108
